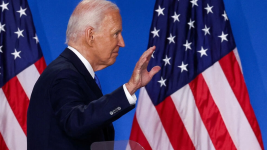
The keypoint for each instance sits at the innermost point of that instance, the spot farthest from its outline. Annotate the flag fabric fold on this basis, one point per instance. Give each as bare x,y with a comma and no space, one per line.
21,63
199,99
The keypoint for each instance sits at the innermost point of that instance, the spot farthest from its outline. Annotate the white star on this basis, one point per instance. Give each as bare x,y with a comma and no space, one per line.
206,30
208,8
203,51
167,60
187,45
22,12
16,54
155,32
4,6
175,17
171,39
223,37
191,24
194,2
162,82
183,67
225,16
2,27
160,11
1,49
152,55
36,38
19,33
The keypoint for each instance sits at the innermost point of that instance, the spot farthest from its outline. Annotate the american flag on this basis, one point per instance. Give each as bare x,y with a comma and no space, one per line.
21,63
199,99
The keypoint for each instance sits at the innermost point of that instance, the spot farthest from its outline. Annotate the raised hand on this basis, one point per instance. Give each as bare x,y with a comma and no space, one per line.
141,76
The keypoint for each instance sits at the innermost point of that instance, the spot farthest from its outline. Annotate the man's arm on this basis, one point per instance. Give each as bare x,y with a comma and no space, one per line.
70,99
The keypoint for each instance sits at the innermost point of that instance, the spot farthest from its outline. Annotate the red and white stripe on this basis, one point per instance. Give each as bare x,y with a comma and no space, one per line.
14,101
212,112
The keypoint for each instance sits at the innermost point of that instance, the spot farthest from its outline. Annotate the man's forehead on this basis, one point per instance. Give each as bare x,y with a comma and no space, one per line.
112,19
113,16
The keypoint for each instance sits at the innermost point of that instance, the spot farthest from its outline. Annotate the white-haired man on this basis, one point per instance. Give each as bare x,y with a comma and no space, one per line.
67,109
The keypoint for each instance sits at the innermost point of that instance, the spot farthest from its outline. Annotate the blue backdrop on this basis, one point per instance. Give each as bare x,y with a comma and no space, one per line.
248,21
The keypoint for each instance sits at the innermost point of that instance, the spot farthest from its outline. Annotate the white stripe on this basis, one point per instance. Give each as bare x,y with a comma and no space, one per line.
231,112
134,145
185,104
238,59
128,147
10,129
150,124
28,78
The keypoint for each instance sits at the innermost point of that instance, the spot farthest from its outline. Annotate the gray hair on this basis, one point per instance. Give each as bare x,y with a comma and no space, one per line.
88,13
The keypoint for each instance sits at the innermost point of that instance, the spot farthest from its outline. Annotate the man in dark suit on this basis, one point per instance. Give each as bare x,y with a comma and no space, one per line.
67,108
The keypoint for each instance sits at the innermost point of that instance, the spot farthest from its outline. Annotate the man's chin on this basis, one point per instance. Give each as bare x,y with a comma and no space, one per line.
112,61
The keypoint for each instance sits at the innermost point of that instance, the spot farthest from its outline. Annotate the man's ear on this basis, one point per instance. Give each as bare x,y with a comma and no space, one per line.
89,35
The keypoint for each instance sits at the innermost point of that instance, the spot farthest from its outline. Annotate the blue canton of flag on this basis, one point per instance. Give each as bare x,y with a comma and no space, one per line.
18,40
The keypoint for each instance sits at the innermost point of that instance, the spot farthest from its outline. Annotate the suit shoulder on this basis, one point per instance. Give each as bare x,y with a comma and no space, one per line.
58,69
59,64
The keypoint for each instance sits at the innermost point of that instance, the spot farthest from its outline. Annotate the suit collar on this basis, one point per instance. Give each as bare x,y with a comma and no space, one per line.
74,59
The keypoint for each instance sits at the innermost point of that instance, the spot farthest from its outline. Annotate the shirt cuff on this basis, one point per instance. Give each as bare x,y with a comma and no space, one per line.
131,98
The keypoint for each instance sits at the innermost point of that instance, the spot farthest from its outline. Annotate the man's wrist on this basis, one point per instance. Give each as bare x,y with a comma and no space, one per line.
131,88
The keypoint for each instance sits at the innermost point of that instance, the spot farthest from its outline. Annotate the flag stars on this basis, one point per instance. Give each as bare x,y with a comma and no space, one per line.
187,45
1,51
194,3
36,38
160,11
191,24
22,12
155,32
223,37
2,27
206,30
16,54
225,16
183,67
4,6
19,33
152,55
203,52
208,8
176,17
167,60
162,82
171,39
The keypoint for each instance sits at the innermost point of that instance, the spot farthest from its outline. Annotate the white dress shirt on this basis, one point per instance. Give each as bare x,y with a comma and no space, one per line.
131,98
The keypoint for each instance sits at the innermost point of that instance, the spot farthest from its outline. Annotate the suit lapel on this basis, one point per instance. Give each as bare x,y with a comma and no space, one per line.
74,59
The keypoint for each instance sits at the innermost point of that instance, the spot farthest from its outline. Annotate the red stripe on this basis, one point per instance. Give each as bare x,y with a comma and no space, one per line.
40,65
138,136
235,78
210,115
2,143
18,101
174,126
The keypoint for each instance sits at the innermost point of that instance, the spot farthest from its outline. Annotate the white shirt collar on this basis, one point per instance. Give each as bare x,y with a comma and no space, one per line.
84,61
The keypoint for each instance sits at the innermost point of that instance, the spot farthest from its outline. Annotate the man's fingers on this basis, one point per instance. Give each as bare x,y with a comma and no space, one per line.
146,57
141,62
148,52
154,70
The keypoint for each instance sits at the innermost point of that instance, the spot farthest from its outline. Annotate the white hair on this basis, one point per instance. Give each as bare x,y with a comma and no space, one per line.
88,13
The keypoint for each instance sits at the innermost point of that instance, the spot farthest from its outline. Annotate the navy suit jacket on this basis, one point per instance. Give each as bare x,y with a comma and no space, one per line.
68,111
